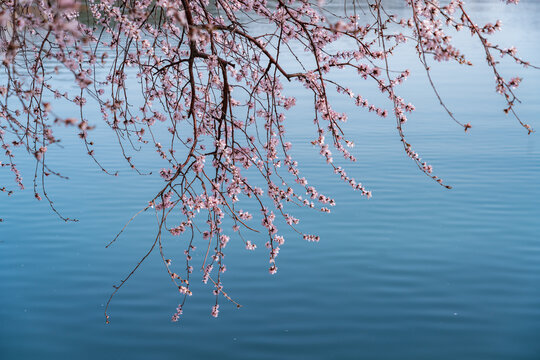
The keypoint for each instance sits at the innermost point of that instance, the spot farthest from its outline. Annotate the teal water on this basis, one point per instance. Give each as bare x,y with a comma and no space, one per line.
416,272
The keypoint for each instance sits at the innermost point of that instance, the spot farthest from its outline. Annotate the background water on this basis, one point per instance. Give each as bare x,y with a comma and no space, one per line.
417,272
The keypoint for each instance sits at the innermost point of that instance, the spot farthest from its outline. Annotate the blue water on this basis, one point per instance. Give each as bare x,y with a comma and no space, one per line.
416,272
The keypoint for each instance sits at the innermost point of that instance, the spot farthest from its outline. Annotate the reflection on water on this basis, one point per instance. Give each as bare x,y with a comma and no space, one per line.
417,272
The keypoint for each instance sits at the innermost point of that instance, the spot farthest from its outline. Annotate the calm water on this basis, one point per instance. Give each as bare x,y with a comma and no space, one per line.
417,272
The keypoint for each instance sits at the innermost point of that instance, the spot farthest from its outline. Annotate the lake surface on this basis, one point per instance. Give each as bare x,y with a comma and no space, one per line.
416,272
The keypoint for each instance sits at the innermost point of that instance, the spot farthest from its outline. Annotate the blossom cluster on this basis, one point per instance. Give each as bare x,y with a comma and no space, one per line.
217,85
